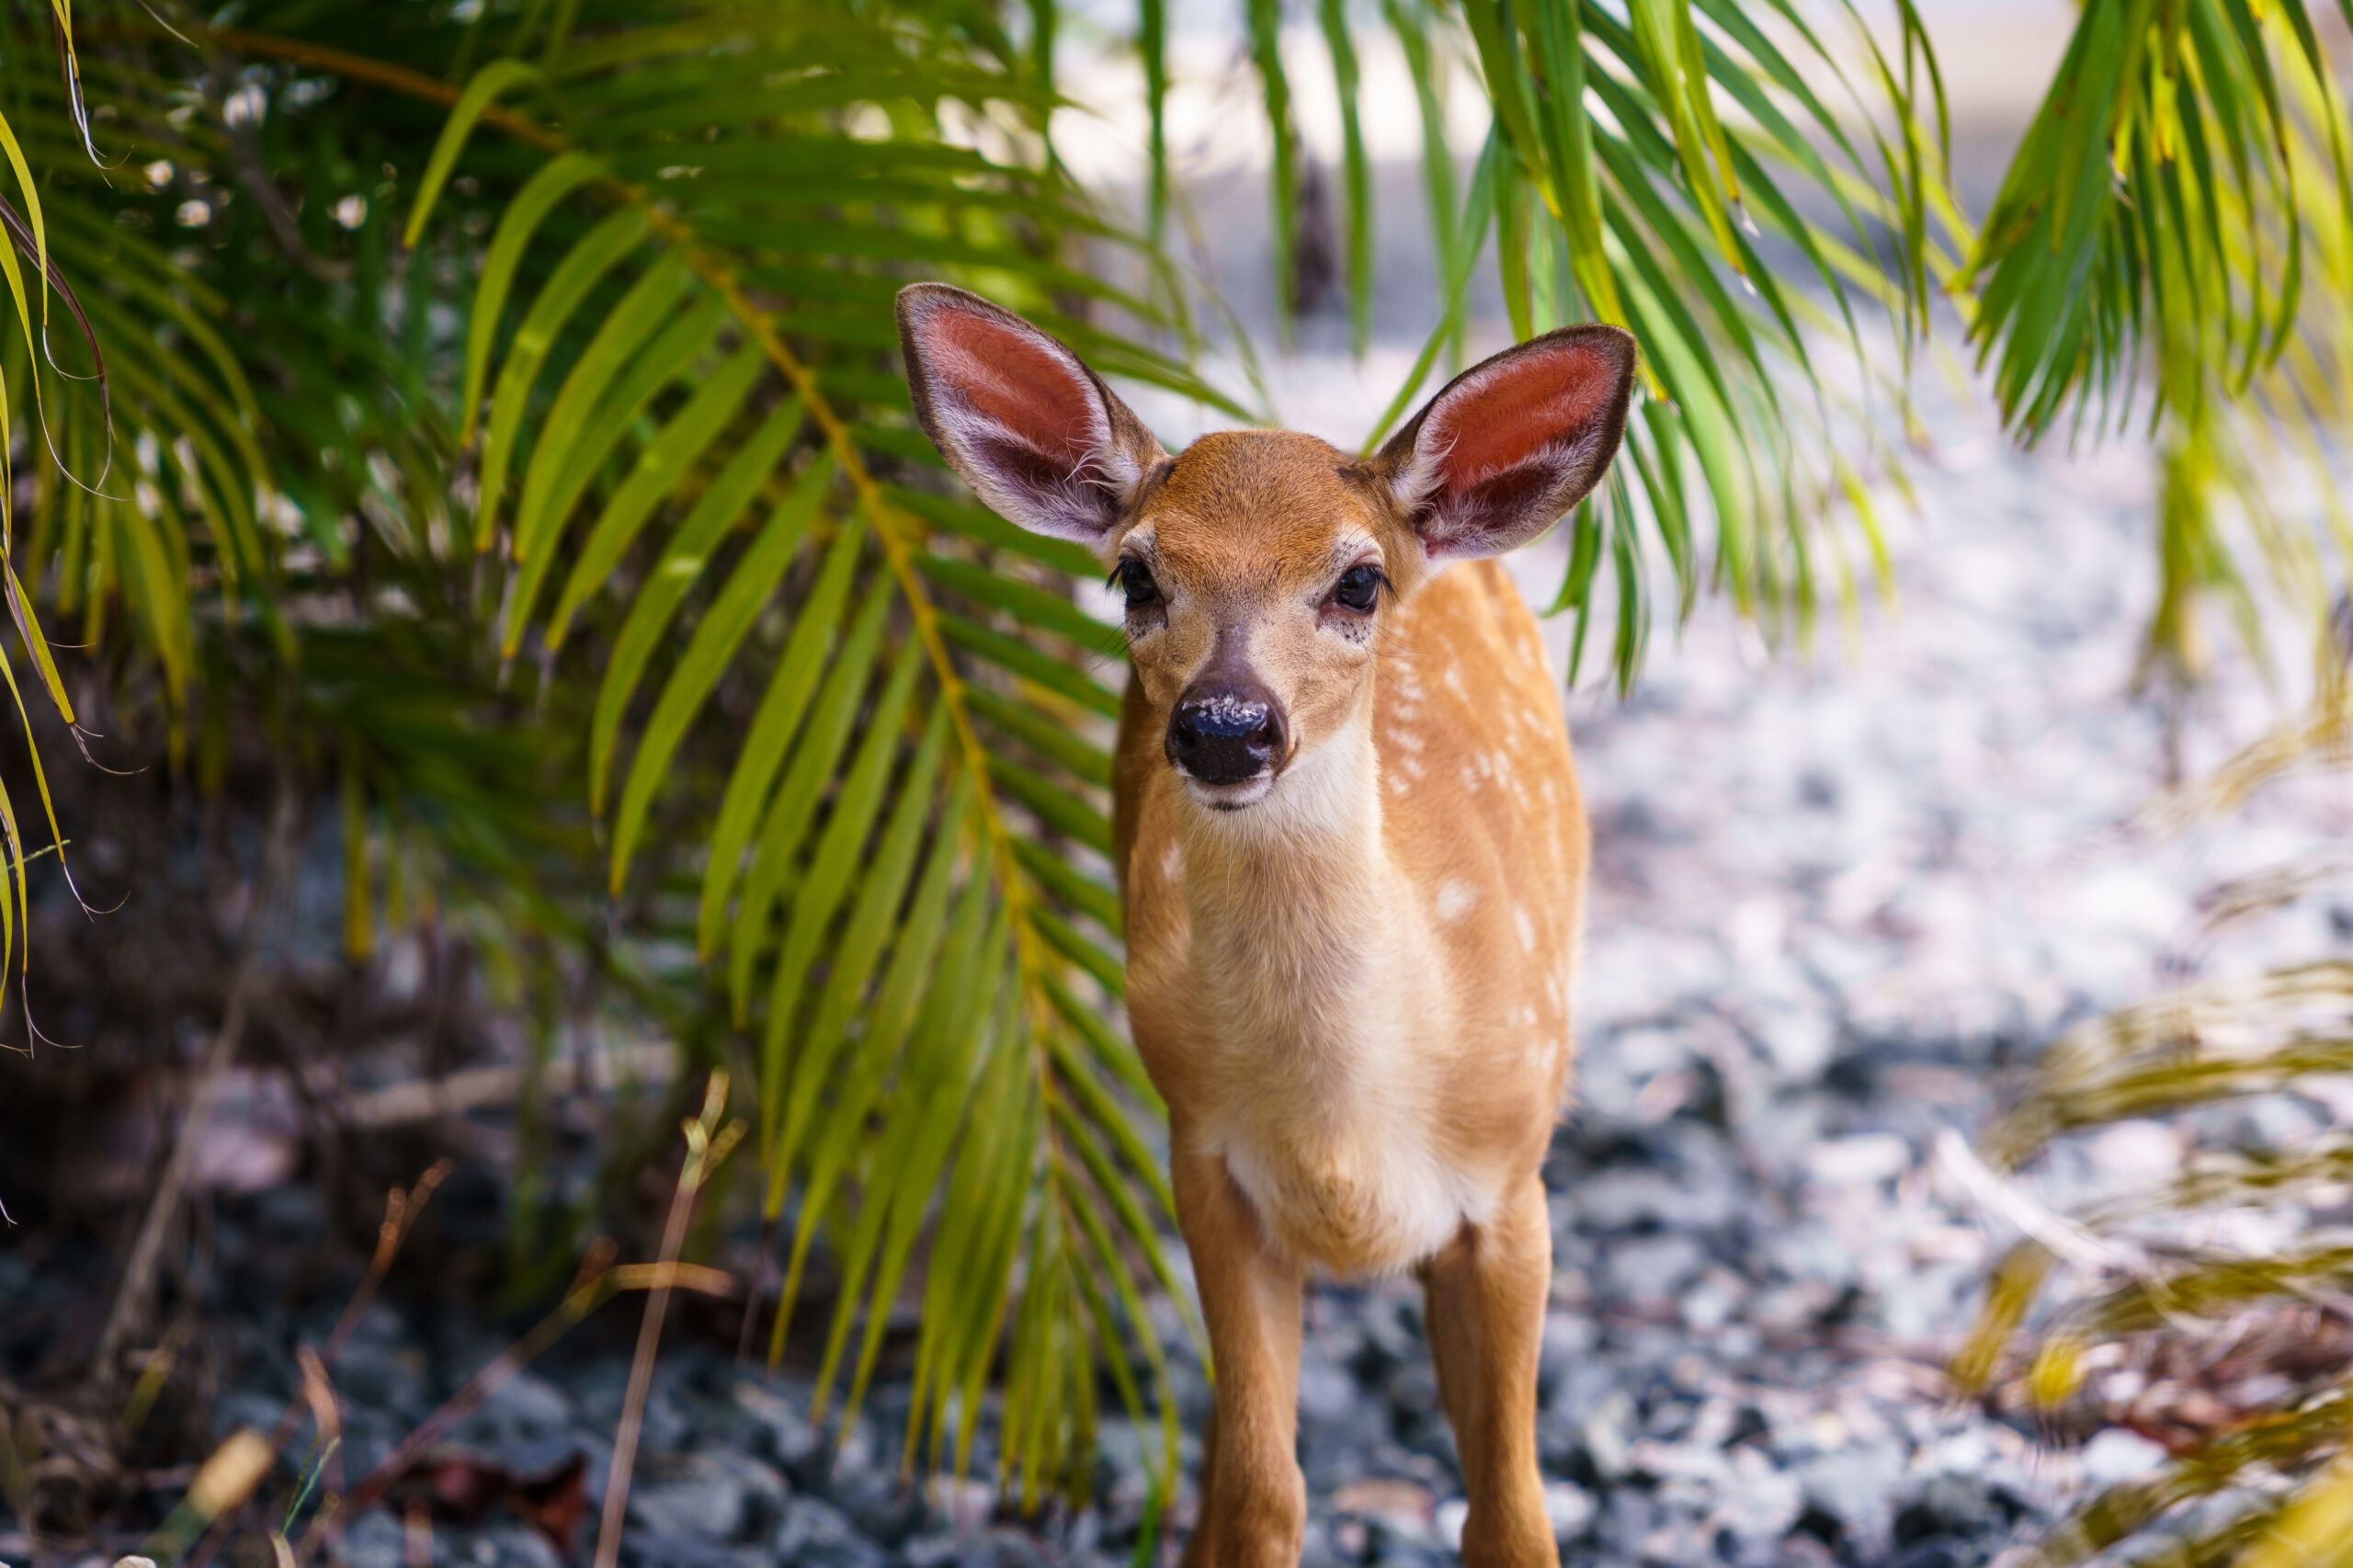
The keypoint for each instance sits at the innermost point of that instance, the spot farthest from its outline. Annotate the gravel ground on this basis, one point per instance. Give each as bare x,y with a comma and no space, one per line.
1837,901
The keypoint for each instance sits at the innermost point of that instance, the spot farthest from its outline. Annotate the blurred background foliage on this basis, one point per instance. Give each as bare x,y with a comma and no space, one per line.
479,422
2205,1313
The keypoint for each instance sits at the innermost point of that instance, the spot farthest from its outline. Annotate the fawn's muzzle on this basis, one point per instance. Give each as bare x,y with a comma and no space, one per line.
1228,733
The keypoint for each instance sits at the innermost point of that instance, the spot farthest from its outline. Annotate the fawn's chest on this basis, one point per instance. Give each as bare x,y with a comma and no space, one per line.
1355,992
1308,1043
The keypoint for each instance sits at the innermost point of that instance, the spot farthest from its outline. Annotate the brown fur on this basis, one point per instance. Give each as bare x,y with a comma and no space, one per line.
1243,964
1349,974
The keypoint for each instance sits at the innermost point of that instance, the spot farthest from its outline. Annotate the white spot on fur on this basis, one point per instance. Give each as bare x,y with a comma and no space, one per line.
1524,925
1456,898
1397,785
1454,680
1172,865
1409,739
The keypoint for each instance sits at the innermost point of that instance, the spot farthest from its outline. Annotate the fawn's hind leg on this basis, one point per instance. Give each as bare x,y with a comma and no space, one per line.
1484,1303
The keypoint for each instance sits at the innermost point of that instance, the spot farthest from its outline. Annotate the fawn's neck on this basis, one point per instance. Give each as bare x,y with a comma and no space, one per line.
1297,911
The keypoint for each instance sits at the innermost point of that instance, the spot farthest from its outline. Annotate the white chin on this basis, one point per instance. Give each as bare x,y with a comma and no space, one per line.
1229,797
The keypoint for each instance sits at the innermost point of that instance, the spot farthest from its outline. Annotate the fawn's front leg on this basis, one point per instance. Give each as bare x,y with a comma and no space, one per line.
1484,1297
1254,1500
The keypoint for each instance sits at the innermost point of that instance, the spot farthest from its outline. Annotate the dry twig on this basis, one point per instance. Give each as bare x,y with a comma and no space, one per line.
707,1144
599,1282
401,1209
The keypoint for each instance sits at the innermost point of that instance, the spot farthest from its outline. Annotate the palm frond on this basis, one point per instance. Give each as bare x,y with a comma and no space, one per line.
688,409
2143,1313
2161,202
1660,166
2236,425
2172,234
182,411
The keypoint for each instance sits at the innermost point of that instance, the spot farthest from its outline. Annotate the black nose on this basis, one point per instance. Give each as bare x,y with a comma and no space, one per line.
1225,735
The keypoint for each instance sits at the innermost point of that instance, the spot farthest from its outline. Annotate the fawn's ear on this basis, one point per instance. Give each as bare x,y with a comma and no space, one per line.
1513,443
1032,430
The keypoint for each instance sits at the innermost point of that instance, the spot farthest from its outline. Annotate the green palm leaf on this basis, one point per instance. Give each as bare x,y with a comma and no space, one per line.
896,715
1653,214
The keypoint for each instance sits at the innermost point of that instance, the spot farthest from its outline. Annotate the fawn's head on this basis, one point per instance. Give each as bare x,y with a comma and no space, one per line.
1257,565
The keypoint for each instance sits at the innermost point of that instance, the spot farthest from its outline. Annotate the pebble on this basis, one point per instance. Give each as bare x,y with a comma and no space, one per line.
712,1492
2115,1456
375,1540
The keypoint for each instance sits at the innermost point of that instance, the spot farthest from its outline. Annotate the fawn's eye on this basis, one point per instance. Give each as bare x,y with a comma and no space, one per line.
1134,579
1358,588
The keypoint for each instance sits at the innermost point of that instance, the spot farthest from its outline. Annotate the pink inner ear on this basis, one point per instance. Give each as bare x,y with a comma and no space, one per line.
1524,405
1014,380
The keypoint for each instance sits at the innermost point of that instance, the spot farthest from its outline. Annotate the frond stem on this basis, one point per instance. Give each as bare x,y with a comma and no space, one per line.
895,530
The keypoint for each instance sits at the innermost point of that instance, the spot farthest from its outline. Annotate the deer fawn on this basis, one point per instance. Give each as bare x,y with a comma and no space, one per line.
1352,854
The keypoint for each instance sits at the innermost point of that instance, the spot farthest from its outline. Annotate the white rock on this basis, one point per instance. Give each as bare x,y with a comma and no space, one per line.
1859,1160
1569,1508
1448,1520
2116,1455
965,1504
